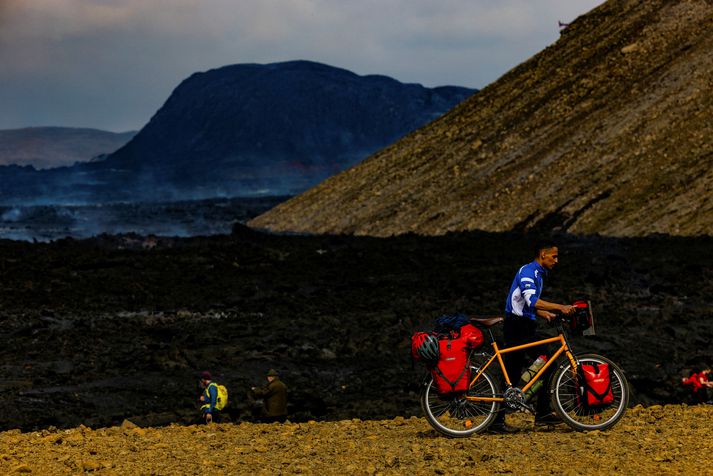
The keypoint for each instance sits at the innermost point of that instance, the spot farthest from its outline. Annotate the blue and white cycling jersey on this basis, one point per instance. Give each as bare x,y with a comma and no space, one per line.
525,291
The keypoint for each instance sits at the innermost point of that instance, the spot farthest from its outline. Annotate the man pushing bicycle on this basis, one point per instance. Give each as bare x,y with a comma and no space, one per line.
587,391
522,308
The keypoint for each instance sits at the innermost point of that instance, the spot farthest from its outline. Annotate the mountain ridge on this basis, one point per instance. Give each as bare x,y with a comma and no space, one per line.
54,146
265,125
248,129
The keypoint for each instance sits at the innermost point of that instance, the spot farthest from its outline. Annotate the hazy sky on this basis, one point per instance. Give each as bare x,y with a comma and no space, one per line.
110,64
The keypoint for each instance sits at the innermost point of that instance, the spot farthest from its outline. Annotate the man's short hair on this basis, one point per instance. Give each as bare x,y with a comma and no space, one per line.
543,245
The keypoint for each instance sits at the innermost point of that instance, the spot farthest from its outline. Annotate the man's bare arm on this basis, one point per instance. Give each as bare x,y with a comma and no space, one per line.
547,315
543,305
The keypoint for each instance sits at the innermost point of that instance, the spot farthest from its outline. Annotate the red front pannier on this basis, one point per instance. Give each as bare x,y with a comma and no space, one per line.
596,385
452,373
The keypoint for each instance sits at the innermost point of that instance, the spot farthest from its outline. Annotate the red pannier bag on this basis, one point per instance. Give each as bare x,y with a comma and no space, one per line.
596,385
452,373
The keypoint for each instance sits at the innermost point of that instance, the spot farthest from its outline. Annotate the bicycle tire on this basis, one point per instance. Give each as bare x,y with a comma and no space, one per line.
568,405
456,417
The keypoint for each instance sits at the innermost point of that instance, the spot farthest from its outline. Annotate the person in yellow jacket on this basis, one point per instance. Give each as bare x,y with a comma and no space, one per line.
209,398
274,396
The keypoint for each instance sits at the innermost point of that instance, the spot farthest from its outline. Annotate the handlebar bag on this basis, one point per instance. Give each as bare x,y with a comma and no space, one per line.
581,319
595,385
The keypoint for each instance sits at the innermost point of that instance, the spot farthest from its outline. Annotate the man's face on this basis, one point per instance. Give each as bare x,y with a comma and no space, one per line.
548,258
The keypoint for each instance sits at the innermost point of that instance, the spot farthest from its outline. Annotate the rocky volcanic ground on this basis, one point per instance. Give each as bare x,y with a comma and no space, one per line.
657,440
101,330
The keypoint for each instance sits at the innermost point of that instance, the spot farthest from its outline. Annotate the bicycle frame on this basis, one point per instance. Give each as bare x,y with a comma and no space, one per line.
564,348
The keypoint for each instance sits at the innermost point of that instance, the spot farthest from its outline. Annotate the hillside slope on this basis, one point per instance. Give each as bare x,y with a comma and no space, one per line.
607,131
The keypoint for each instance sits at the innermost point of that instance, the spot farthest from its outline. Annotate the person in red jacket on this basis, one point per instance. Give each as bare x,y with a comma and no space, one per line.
699,385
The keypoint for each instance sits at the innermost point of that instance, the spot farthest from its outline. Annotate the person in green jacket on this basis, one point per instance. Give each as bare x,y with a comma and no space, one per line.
274,397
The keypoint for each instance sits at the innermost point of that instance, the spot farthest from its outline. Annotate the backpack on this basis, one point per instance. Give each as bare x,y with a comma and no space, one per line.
222,400
595,385
472,335
449,325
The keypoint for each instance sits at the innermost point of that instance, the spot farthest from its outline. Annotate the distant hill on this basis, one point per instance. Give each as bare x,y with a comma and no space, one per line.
248,129
278,127
47,147
607,131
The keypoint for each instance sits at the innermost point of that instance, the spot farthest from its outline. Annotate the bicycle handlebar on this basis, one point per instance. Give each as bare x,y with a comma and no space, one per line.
578,321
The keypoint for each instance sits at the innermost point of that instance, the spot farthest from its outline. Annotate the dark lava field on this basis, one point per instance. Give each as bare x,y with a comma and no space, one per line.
117,327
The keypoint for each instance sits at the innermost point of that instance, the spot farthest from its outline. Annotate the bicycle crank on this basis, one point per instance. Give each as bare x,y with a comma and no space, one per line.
515,399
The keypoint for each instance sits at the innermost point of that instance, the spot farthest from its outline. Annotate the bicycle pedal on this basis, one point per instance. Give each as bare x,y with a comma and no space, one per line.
528,408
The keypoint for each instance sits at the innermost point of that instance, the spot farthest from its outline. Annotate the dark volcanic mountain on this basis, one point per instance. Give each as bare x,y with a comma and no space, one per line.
46,147
289,123
607,131
249,128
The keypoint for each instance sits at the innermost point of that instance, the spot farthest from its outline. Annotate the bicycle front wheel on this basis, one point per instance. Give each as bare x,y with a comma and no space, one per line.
569,404
454,415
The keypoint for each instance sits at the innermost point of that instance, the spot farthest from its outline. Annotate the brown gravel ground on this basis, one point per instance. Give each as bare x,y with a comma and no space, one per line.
655,440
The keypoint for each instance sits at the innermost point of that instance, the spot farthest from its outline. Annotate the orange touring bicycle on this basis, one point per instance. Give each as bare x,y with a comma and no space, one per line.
473,411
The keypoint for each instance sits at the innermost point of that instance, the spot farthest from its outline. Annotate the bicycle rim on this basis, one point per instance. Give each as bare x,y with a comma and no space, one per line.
454,415
569,405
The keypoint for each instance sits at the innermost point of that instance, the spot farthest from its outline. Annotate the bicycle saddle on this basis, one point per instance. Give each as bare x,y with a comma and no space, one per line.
486,321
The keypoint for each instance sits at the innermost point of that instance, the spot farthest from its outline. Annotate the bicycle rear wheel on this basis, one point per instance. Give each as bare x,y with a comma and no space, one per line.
454,415
568,404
